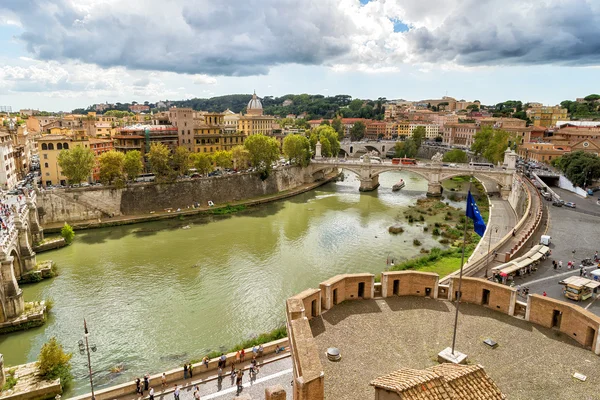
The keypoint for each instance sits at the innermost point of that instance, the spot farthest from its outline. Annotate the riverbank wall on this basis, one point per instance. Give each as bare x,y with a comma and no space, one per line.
94,203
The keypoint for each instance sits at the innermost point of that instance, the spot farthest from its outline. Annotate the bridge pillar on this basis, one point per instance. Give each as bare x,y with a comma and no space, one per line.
12,295
34,221
434,189
368,184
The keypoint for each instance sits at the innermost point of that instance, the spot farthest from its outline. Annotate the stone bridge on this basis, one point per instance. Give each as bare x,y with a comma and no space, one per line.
368,172
20,229
352,148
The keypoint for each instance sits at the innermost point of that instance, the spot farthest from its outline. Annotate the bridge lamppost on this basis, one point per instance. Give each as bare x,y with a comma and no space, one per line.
493,229
85,348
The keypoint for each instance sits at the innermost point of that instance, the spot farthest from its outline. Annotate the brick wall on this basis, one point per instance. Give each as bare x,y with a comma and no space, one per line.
307,297
500,297
410,283
346,287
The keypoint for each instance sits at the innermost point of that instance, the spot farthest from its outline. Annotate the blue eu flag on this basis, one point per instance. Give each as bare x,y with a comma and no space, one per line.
475,215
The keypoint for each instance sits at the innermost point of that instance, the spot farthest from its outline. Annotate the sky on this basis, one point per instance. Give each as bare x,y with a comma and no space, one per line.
65,54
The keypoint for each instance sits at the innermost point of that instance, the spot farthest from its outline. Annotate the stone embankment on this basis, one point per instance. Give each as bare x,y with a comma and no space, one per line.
106,206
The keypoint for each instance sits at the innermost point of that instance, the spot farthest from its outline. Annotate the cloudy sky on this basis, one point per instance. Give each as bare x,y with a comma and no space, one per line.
63,54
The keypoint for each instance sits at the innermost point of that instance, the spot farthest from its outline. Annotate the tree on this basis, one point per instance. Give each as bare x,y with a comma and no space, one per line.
297,149
355,105
133,164
54,363
455,156
418,135
67,233
263,151
408,148
76,164
495,149
579,167
111,166
159,157
241,157
481,140
223,159
181,160
357,132
330,144
336,124
473,107
325,122
592,97
202,162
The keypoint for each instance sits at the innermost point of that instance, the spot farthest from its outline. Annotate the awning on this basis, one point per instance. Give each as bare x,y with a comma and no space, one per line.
536,256
544,250
592,284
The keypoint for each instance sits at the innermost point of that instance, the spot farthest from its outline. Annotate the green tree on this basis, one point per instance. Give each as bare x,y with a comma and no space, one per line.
473,107
481,140
296,148
579,167
181,160
336,124
202,162
241,157
408,149
263,151
76,164
455,156
330,144
67,233
495,149
133,164
54,363
418,135
223,159
111,166
355,105
325,122
592,97
159,158
357,132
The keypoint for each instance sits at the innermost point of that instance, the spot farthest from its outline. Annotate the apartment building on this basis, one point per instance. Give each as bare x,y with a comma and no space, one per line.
547,116
49,147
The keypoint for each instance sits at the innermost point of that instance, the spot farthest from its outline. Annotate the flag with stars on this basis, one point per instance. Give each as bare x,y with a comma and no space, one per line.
475,215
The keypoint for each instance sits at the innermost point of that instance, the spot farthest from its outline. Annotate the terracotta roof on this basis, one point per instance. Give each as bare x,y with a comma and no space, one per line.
441,382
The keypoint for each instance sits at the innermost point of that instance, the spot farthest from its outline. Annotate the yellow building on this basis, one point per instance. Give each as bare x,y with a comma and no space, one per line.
254,122
547,116
208,135
49,146
404,128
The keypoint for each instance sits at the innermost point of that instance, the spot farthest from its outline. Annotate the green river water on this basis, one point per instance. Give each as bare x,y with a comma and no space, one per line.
156,295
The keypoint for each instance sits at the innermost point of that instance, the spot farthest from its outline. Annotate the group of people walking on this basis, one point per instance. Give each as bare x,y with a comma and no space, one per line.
144,386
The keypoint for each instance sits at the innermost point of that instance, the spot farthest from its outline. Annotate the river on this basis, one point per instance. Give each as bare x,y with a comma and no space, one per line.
155,295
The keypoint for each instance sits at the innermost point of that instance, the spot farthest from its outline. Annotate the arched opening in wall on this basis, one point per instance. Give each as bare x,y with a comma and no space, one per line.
343,153
371,148
65,146
16,264
44,146
50,146
58,146
351,149
383,149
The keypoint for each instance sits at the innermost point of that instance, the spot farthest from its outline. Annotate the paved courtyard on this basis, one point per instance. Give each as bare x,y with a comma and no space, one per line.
376,337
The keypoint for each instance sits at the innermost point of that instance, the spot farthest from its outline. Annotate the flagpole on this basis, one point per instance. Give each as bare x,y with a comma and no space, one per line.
462,262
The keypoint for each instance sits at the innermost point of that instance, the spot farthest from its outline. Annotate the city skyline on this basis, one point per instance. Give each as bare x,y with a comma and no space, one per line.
60,54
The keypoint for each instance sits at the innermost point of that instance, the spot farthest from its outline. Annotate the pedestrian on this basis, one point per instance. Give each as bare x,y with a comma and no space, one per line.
197,393
146,381
190,370
185,371
514,232
554,264
151,394
569,264
243,355
138,385
580,270
223,360
261,350
220,375
232,374
238,357
254,351
205,361
239,379
596,256
544,294
163,381
176,393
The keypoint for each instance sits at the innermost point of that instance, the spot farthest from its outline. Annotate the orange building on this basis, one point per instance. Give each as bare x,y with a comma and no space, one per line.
99,146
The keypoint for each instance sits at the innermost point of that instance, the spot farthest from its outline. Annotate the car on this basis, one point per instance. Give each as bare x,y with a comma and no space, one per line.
557,204
570,204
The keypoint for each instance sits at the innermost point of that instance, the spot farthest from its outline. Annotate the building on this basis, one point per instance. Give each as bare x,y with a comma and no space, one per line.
150,134
254,122
184,120
102,107
49,147
208,135
404,128
541,152
446,103
138,108
444,382
8,170
573,134
546,116
99,146
28,112
375,130
104,130
460,134
230,121
431,130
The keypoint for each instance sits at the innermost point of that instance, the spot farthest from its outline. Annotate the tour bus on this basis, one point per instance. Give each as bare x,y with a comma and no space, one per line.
578,288
480,165
407,161
145,178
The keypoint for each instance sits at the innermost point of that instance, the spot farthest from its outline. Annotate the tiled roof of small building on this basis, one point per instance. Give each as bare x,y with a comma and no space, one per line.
441,382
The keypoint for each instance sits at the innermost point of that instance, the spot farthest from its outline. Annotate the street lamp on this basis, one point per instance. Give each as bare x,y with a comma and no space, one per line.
85,348
493,229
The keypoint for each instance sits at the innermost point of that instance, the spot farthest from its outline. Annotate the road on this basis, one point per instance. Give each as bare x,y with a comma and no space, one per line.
574,237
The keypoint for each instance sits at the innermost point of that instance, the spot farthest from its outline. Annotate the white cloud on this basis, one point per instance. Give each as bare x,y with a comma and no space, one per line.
204,80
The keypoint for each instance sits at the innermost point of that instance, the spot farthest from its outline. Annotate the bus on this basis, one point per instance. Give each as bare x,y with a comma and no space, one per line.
407,161
480,165
145,178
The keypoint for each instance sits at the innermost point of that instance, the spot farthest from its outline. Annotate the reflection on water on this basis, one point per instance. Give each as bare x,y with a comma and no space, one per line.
155,295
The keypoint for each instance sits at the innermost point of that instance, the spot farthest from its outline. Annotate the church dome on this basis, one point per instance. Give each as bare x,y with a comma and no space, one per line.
254,105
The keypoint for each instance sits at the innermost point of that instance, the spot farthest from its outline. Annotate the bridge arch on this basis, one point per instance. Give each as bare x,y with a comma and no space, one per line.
17,267
372,148
349,167
422,174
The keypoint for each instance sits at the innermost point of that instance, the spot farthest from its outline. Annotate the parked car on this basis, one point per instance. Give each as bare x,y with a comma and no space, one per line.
570,204
557,204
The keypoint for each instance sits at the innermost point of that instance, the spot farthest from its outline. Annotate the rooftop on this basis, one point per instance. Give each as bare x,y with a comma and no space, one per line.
377,337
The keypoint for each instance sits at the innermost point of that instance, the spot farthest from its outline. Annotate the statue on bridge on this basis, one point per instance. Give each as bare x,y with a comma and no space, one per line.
437,157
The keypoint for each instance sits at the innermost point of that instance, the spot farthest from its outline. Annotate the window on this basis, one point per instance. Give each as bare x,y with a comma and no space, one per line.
44,147
58,146
183,132
50,146
189,132
46,165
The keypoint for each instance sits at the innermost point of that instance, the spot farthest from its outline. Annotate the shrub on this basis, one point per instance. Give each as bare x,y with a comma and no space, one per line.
436,232
425,229
421,218
67,233
444,241
447,218
54,363
437,224
49,303
411,219
11,381
416,242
